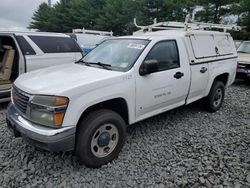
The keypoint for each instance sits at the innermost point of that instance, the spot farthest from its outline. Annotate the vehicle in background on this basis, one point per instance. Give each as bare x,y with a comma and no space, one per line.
89,39
243,70
237,43
22,52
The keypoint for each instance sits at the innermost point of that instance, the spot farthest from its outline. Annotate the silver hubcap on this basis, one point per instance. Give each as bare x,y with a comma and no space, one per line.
104,140
218,97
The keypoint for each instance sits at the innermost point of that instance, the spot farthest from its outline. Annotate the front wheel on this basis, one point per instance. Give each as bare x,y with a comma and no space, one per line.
215,97
100,138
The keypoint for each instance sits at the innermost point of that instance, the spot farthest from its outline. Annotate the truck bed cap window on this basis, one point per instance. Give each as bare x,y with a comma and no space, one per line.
206,46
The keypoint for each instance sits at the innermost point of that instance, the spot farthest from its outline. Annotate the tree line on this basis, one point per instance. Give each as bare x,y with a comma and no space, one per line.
117,15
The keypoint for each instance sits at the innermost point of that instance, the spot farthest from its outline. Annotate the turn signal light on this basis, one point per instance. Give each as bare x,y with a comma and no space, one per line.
58,119
60,101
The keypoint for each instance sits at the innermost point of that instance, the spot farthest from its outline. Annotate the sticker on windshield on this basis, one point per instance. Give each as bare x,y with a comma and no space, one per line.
124,64
136,46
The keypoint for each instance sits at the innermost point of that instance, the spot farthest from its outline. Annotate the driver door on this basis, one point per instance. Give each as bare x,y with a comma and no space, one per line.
166,88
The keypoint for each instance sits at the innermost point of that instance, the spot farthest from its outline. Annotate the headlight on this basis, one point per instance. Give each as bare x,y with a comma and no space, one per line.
47,110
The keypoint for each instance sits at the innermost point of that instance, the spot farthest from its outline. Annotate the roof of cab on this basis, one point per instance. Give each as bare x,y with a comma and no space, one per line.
175,33
184,33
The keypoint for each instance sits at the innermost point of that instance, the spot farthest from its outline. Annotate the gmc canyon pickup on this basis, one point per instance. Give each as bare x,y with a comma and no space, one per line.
86,107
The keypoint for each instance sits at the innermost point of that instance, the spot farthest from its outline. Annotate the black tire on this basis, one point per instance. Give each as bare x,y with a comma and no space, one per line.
212,103
85,135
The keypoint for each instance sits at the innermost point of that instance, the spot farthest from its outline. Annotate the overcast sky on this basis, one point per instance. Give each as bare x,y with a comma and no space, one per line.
16,14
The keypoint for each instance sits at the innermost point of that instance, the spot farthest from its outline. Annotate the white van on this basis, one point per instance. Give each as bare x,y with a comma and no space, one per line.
89,39
88,42
22,52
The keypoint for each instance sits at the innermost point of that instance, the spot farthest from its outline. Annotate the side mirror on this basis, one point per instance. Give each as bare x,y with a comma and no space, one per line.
148,67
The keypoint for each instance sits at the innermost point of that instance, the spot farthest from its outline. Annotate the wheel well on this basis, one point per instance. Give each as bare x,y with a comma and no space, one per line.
118,105
223,78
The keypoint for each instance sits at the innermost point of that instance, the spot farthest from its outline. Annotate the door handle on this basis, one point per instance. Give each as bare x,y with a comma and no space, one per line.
203,70
178,75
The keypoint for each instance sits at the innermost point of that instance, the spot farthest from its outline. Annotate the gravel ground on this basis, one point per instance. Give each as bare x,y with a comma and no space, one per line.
186,147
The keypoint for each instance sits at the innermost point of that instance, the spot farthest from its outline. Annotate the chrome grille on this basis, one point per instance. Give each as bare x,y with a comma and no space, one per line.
244,66
20,99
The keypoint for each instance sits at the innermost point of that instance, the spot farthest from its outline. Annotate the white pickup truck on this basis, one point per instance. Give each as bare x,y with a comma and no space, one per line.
86,107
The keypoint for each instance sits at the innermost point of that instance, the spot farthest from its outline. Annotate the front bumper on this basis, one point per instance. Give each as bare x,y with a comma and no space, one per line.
243,74
62,139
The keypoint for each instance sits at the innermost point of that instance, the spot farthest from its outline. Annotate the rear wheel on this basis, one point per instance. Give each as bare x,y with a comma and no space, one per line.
215,97
100,138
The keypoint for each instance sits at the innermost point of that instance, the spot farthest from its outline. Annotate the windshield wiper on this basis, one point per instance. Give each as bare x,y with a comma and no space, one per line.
242,52
84,62
104,65
80,60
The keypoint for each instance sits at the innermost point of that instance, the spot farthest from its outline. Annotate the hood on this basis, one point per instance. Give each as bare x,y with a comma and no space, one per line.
244,57
58,79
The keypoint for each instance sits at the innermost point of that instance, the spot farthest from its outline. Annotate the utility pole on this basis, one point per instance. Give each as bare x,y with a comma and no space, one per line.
49,3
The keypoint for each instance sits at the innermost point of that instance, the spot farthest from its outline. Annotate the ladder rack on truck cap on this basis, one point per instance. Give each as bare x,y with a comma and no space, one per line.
187,25
95,32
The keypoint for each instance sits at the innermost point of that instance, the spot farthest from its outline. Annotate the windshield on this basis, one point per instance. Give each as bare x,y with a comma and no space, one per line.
244,48
119,54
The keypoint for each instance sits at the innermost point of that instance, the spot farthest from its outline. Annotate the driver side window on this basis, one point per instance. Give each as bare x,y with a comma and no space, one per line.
166,54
